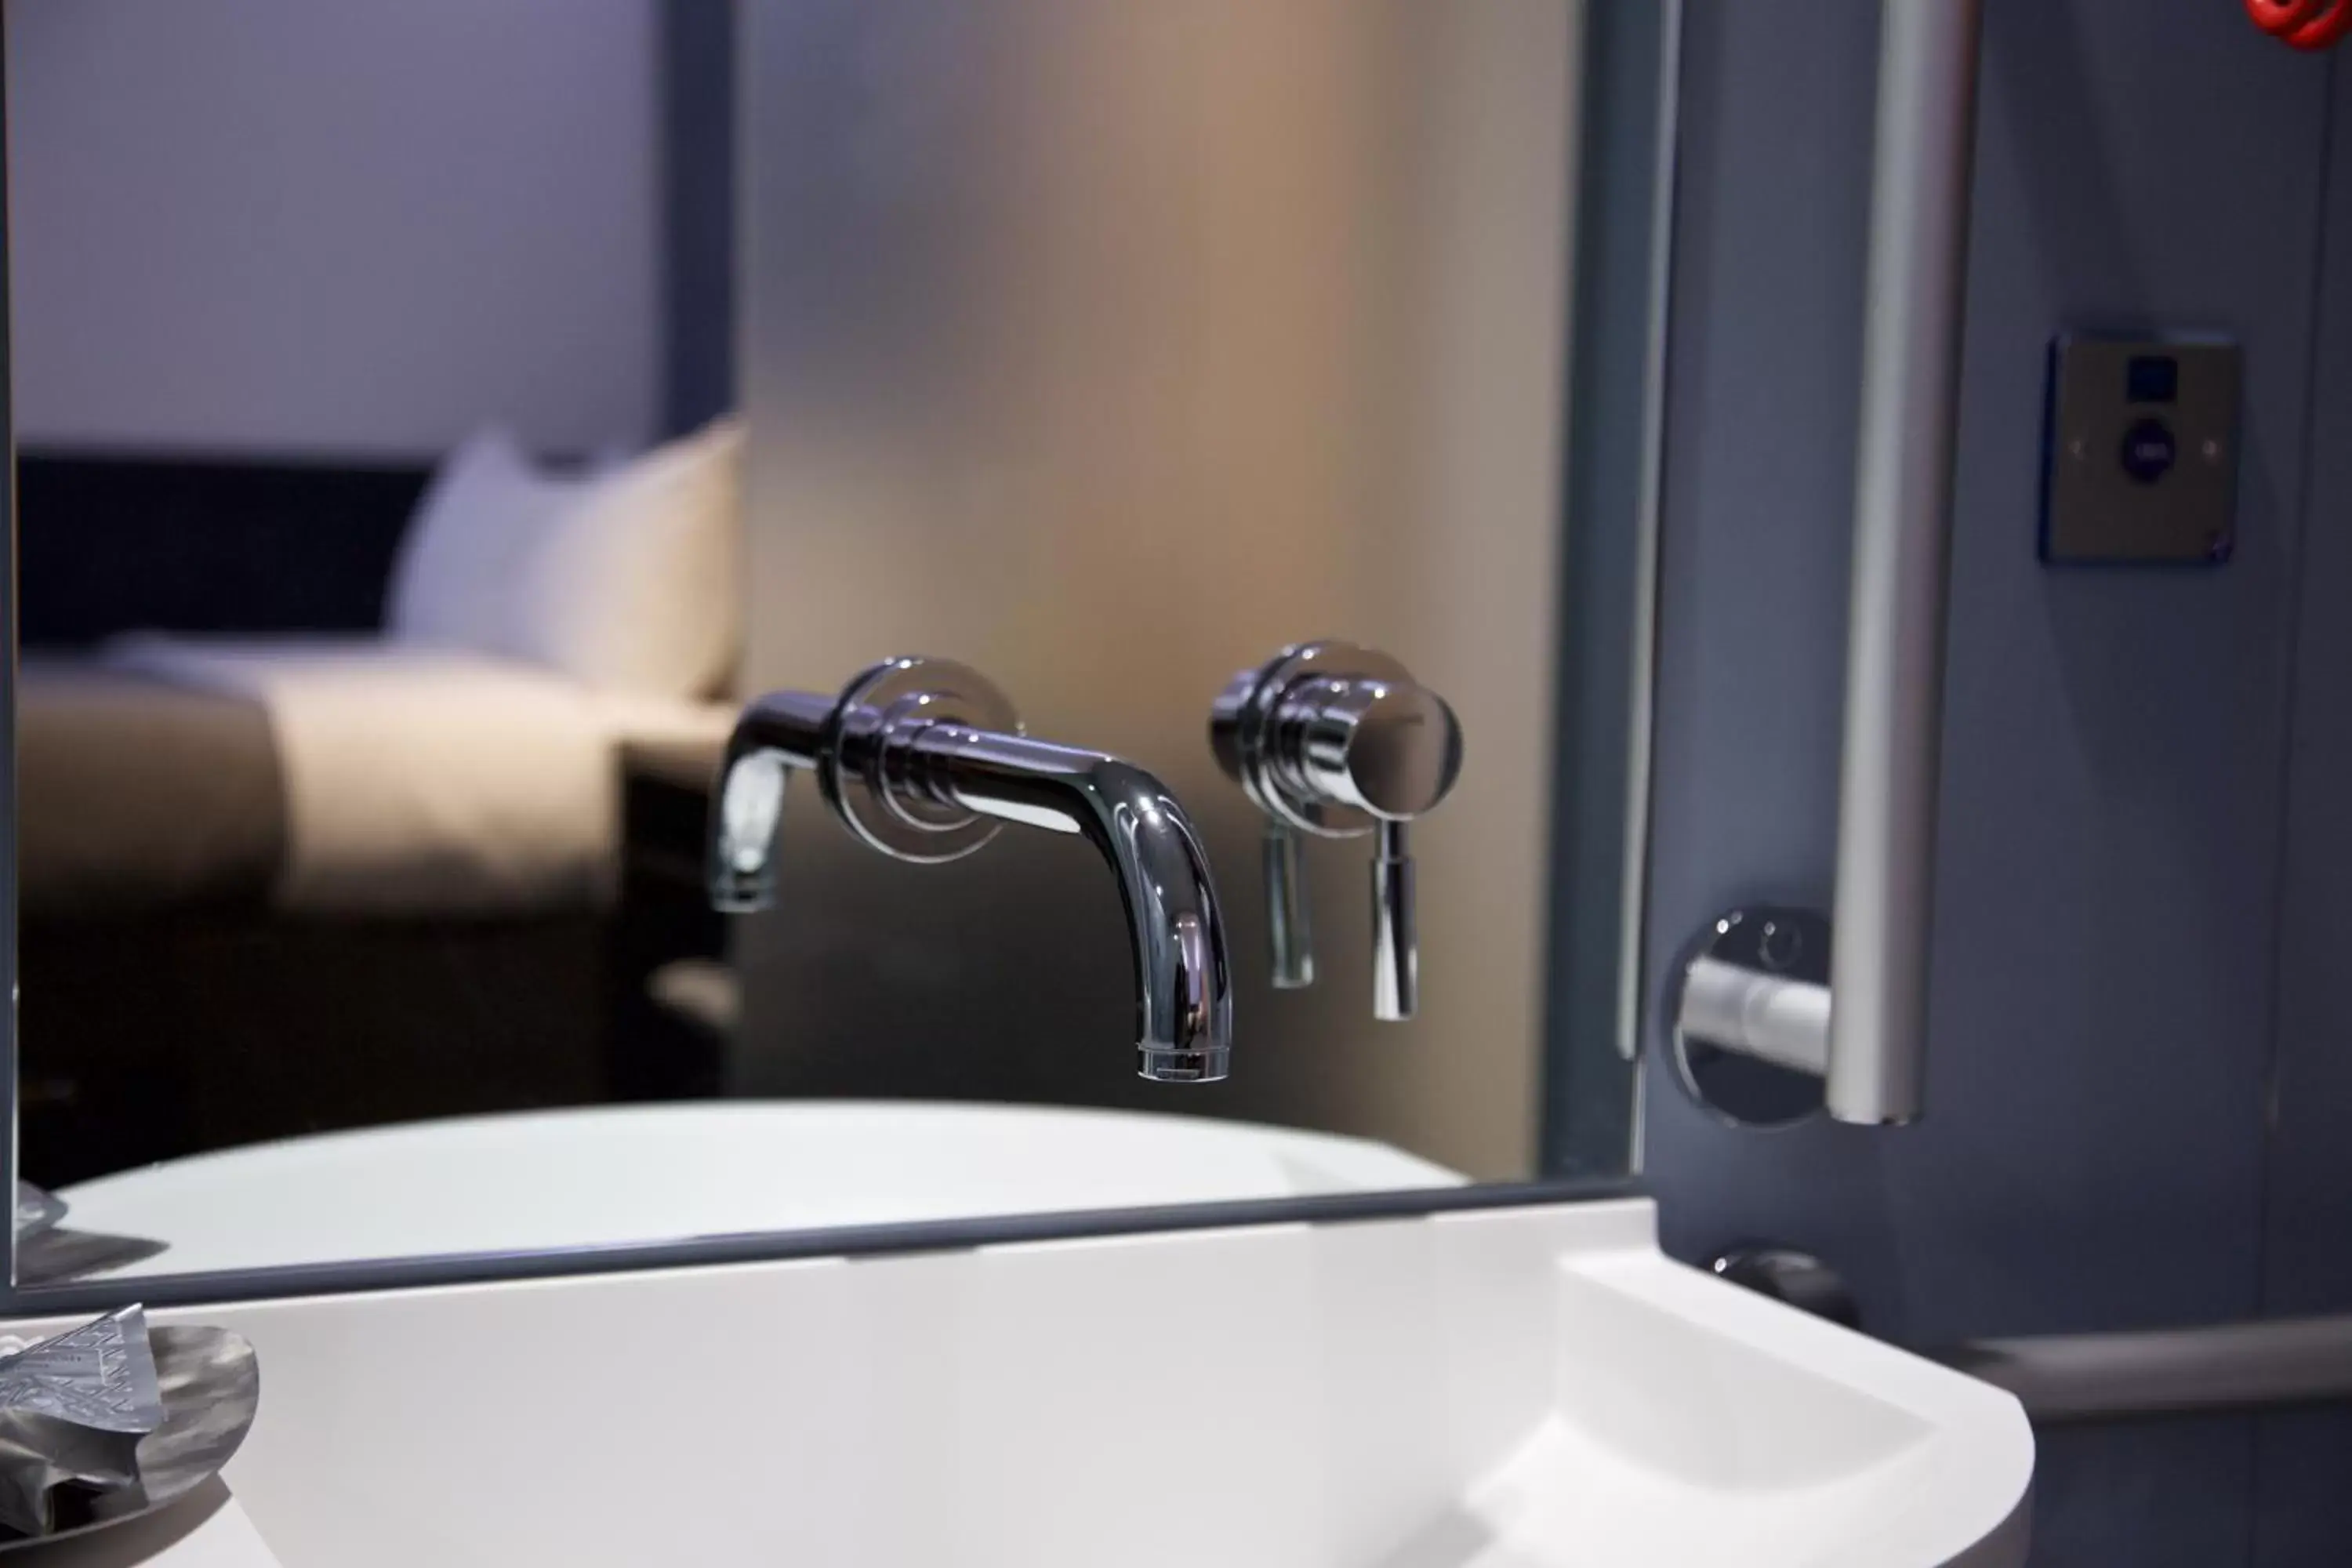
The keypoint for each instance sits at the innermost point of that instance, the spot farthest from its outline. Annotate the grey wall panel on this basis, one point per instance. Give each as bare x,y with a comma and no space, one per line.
2092,1155
2113,738
2304,1508
2303,1514
2164,1494
285,227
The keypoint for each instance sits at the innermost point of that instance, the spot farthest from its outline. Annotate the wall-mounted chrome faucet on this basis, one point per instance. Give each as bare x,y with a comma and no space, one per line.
924,759
1339,741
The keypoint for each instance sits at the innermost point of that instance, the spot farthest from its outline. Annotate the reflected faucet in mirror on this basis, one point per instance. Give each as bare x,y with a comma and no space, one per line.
924,759
1337,741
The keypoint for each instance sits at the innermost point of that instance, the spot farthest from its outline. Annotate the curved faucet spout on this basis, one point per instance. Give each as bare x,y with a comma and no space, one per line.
782,729
913,777
1185,1002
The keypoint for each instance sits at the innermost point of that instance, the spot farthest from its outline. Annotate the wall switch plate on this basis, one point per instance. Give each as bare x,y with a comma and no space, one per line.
2140,450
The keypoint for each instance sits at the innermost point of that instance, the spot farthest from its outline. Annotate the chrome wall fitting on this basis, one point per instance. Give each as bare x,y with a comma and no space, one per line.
924,760
1753,1022
1795,1279
1339,741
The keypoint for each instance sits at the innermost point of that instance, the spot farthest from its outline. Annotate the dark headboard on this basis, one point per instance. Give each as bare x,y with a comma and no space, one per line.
110,542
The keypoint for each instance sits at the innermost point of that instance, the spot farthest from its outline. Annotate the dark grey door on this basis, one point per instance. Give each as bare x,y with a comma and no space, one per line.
2143,768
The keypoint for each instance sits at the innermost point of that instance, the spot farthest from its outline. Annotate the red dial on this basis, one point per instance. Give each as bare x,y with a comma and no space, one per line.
2305,24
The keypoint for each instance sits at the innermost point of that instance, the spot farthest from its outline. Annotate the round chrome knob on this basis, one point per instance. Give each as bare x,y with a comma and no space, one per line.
1333,738
879,706
1390,748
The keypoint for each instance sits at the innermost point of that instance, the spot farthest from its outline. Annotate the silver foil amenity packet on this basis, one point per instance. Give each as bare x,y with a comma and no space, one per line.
72,1411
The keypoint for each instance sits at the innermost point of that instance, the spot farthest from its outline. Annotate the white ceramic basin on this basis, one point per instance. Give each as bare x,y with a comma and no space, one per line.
1530,1387
576,1178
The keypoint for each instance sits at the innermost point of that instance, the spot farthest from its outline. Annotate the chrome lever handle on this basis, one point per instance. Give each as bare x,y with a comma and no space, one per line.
781,730
1291,938
1396,946
1339,741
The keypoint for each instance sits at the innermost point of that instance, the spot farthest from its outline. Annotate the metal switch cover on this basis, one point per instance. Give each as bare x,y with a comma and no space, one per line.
2141,450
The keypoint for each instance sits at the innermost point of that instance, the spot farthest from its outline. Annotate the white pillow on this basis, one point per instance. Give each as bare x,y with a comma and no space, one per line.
633,585
471,534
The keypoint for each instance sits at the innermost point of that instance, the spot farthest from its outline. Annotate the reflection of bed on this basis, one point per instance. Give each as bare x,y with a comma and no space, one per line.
331,777
340,873
132,794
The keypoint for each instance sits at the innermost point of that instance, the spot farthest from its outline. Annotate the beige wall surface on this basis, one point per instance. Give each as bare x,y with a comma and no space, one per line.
1108,348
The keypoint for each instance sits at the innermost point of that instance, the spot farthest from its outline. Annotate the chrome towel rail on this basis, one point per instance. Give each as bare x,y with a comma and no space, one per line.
2071,1378
2258,1364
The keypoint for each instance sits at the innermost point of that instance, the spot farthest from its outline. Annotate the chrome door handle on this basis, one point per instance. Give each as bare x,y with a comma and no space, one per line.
1859,1028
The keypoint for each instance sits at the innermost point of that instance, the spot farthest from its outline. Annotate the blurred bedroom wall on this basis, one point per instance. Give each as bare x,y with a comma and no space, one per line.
352,228
1110,347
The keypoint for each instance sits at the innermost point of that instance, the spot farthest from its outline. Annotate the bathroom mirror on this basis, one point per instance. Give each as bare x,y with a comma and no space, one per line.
436,421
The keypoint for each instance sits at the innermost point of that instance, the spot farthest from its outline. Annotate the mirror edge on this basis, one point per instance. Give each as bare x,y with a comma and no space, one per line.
1615,447
8,1055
